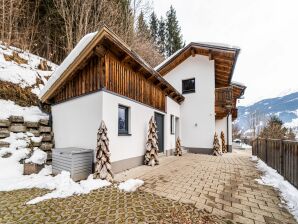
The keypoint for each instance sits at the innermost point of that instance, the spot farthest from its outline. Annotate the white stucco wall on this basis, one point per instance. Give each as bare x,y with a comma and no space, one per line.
75,122
124,147
173,108
221,125
197,117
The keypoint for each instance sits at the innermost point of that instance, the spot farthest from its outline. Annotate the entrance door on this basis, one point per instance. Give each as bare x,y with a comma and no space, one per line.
159,118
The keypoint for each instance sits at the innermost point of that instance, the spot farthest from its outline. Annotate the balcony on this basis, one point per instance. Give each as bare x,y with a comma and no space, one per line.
223,101
234,113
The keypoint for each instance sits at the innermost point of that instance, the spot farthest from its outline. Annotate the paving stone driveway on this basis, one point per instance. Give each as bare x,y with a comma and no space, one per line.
107,205
224,186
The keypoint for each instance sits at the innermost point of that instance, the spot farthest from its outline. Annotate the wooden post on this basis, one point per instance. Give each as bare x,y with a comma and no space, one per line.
266,154
281,156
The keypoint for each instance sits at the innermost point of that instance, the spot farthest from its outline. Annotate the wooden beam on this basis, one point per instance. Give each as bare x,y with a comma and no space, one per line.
223,60
100,51
151,77
210,55
193,52
222,71
125,58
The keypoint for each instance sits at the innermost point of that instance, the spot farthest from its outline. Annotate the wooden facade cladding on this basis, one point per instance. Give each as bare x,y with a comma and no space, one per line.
110,73
83,81
123,80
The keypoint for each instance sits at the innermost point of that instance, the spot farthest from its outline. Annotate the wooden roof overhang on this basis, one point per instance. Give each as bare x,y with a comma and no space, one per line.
225,60
238,90
105,40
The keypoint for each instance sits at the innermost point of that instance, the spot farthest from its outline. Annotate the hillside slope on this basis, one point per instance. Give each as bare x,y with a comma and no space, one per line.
22,76
285,107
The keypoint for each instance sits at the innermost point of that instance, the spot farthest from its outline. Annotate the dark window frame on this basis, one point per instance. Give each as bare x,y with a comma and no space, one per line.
126,122
190,90
172,124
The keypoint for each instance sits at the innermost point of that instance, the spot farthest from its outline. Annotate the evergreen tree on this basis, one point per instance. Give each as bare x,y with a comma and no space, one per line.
174,40
153,27
161,39
142,27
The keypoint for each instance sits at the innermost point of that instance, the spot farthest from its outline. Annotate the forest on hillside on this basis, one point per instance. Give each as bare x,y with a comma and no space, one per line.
51,28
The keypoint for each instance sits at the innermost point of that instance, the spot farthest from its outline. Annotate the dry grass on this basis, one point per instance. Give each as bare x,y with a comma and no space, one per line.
21,96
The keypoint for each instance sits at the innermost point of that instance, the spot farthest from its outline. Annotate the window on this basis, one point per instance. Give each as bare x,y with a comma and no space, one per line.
172,124
122,120
188,86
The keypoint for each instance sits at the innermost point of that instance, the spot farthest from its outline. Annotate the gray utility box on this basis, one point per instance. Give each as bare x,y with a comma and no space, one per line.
77,161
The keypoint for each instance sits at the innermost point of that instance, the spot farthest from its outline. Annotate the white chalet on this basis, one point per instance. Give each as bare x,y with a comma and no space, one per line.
191,95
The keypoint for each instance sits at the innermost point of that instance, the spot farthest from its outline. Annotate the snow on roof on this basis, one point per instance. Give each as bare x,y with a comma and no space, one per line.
203,44
238,84
168,59
68,61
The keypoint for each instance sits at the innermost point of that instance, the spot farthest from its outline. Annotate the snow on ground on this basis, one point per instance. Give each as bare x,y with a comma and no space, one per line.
66,187
18,151
32,113
23,74
272,178
130,185
38,157
245,146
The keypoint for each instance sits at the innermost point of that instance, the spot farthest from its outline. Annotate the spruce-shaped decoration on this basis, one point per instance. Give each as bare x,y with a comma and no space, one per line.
103,168
152,145
178,151
216,146
223,143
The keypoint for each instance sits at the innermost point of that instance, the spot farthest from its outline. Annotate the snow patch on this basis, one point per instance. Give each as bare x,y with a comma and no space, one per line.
24,75
32,113
38,157
66,187
130,185
272,178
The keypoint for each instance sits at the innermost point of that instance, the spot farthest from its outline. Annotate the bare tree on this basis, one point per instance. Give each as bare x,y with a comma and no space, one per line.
236,131
255,122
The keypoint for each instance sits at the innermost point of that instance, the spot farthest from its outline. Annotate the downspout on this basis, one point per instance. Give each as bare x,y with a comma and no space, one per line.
228,138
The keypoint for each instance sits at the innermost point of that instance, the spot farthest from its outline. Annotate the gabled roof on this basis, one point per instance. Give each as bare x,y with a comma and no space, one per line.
88,46
225,58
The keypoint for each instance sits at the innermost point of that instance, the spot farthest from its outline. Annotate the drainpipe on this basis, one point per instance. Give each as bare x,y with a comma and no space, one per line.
228,143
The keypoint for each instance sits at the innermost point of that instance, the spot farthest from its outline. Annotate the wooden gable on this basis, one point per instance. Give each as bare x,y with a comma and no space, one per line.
109,64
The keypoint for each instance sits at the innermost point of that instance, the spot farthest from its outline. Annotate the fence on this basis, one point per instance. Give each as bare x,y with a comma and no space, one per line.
281,155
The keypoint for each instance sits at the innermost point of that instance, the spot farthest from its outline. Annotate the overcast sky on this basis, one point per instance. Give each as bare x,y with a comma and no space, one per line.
265,30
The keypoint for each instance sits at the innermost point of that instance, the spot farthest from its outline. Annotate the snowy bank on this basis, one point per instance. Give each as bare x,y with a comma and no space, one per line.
24,75
271,177
9,108
130,185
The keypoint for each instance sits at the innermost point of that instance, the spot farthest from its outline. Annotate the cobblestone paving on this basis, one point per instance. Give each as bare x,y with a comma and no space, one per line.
107,205
224,186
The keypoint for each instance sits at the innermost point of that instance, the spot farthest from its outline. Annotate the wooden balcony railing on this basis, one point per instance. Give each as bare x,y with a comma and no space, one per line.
224,97
234,112
223,102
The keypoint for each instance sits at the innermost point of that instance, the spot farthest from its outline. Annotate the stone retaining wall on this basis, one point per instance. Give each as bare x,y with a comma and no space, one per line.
16,124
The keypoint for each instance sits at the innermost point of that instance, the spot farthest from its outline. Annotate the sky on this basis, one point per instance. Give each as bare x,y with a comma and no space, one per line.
265,30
